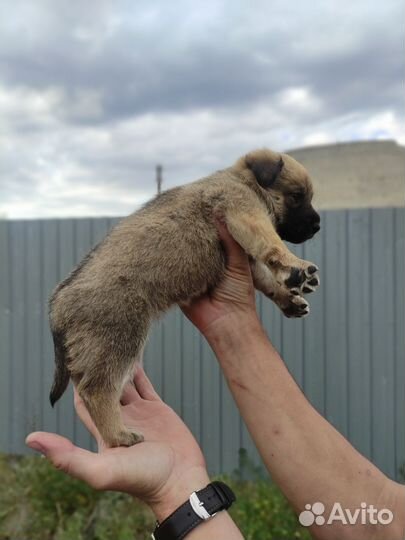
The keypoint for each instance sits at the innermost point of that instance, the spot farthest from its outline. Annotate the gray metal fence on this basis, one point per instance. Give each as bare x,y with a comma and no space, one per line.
348,355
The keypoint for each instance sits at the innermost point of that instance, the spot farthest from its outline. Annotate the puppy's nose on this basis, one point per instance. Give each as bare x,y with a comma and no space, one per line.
316,226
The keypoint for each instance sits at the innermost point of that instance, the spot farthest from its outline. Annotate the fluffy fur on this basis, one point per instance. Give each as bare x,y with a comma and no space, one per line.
167,253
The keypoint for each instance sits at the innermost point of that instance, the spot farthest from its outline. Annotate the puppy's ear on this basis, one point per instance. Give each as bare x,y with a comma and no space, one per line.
265,170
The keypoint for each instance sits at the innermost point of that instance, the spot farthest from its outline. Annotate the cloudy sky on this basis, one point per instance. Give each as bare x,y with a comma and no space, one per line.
94,94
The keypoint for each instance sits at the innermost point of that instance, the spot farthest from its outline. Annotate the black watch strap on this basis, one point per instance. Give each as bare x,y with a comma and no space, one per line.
200,506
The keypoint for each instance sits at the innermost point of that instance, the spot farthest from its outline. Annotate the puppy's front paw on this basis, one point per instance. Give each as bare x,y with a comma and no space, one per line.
307,283
296,307
300,277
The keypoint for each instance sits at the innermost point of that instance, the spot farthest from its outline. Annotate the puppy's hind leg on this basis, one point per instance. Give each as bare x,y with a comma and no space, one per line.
103,405
101,381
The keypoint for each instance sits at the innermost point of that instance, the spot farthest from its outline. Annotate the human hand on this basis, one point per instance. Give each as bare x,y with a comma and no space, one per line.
233,300
162,471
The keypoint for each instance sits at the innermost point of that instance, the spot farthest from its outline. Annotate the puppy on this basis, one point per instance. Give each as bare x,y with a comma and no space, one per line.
166,253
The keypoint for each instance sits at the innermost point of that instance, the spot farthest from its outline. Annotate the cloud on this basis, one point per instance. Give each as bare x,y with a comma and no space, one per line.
94,94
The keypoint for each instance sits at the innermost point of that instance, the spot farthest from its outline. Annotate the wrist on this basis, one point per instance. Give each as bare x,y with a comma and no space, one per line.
235,331
170,498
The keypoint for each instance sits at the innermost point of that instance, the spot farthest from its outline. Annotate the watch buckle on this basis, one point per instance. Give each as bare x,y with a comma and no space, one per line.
198,507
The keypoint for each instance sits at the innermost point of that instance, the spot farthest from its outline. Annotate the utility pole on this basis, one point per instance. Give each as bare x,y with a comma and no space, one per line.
159,180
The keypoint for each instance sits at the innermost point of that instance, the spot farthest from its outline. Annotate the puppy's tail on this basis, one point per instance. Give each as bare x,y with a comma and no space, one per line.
61,376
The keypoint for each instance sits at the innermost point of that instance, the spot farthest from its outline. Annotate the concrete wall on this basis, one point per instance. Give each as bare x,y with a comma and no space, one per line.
356,175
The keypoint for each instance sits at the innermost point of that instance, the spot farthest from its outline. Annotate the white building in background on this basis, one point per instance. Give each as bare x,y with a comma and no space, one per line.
356,174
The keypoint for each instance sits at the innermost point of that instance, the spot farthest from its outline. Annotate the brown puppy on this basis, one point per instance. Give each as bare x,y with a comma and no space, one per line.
166,253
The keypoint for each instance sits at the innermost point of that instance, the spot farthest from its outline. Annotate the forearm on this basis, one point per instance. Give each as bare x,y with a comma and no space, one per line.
305,455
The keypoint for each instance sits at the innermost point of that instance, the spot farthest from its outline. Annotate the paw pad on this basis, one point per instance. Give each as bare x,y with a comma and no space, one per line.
295,279
303,281
297,307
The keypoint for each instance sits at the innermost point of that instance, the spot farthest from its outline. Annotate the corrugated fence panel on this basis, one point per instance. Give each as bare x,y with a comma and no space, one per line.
313,352
5,343
210,403
399,302
382,340
335,333
190,376
358,329
50,277
19,315
348,355
32,342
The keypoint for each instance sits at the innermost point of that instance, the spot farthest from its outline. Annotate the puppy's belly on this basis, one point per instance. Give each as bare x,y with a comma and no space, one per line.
198,278
109,306
184,269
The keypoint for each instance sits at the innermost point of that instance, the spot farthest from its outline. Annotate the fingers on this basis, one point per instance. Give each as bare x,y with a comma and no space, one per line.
129,394
139,388
67,457
144,386
236,257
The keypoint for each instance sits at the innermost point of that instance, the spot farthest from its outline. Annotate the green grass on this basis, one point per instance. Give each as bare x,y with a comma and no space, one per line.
38,502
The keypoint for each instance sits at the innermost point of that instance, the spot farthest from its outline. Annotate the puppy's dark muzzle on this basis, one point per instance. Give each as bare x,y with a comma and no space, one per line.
300,229
316,227
303,234
311,232
313,224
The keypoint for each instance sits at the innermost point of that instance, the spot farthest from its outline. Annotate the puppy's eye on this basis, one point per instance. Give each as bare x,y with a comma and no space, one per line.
297,196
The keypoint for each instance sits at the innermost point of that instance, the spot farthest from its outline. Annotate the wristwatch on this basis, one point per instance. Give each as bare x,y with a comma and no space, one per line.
200,506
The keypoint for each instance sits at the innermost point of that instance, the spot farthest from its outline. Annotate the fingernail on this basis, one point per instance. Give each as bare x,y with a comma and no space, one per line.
36,446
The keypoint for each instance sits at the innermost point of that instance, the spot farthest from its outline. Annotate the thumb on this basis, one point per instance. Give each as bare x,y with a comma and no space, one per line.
67,457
